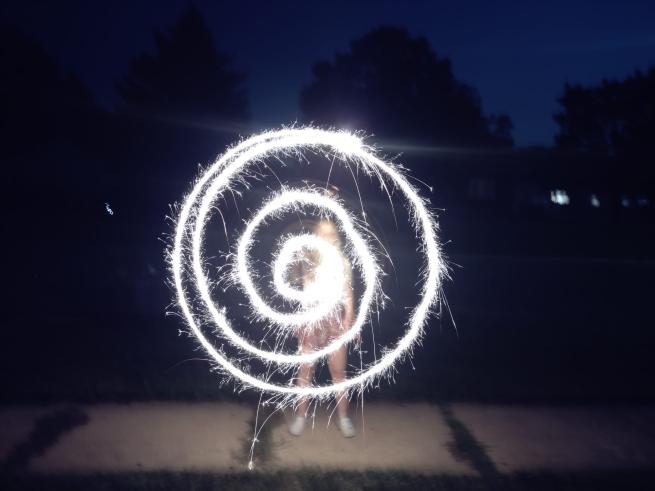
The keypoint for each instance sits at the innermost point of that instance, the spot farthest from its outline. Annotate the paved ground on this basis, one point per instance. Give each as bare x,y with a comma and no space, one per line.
423,438
152,436
563,439
411,437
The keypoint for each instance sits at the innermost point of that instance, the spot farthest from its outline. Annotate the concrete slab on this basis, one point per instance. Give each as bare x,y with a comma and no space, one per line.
542,438
407,437
16,424
153,436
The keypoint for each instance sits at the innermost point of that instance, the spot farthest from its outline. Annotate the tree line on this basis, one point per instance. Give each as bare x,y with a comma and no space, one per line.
388,82
77,174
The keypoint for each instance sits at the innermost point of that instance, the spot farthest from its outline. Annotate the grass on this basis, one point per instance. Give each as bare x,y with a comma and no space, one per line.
263,423
466,447
330,481
493,360
47,431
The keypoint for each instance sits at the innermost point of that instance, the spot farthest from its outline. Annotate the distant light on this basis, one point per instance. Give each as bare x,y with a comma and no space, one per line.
108,209
595,202
560,197
642,202
625,202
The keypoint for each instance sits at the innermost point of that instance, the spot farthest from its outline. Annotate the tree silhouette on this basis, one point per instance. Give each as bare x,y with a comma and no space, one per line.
180,107
397,87
53,131
41,106
57,176
187,77
615,118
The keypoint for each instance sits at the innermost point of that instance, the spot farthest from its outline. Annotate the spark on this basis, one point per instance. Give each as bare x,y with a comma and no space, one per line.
324,295
108,209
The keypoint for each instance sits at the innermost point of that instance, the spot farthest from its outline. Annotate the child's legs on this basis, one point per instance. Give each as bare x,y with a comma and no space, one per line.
305,374
337,365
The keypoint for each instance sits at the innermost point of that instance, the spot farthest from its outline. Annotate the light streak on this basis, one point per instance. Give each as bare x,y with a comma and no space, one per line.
319,299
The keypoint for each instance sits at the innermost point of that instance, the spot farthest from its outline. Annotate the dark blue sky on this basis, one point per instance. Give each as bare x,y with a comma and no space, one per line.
517,54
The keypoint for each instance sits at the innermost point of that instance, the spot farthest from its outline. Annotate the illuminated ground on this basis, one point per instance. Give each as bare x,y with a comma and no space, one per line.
456,440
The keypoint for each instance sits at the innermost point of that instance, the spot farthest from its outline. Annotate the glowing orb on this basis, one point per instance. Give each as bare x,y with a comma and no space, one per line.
317,300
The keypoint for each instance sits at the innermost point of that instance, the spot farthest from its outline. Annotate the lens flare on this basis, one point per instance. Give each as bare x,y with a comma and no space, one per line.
324,295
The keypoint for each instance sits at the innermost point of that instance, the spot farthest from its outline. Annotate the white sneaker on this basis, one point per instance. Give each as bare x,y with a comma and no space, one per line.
347,428
297,426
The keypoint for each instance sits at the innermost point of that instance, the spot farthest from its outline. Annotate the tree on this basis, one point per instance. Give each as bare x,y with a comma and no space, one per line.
56,177
180,106
616,118
187,77
397,87
53,131
41,105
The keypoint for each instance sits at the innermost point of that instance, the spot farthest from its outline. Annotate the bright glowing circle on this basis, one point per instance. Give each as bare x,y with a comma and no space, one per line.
329,280
284,201
186,256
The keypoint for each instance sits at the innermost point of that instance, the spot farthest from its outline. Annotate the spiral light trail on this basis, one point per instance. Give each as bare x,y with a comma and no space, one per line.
319,299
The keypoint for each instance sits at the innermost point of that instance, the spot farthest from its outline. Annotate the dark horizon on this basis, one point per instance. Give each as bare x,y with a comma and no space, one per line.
518,57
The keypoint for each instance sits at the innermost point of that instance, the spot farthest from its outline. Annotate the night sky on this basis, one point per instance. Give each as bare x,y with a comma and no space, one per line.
517,54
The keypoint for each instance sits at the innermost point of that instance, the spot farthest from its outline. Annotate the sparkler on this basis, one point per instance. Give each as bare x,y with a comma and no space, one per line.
321,298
